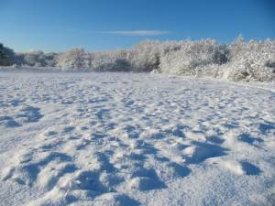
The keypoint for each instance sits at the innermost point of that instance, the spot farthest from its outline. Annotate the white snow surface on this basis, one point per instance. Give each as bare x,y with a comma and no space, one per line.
135,139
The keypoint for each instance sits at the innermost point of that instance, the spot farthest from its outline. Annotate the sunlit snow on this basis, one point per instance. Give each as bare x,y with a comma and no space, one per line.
135,139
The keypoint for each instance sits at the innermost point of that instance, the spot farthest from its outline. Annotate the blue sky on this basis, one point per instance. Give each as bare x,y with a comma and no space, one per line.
58,25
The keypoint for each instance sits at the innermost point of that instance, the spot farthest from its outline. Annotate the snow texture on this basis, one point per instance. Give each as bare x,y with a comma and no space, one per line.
135,139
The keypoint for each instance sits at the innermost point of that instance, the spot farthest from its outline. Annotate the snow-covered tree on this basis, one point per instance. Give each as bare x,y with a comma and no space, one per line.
110,61
7,56
192,56
145,56
38,59
251,60
73,59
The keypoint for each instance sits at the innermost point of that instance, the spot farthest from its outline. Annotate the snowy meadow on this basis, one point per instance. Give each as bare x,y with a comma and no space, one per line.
135,139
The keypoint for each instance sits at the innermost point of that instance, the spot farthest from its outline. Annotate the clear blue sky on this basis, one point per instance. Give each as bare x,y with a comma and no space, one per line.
58,25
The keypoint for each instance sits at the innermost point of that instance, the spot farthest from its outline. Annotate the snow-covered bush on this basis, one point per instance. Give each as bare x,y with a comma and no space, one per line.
110,61
75,59
50,59
37,59
193,56
251,60
146,56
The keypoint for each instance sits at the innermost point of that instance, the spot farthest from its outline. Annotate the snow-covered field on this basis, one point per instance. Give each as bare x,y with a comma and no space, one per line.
135,139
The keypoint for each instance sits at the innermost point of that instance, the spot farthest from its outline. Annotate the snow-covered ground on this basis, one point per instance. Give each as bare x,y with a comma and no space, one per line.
135,139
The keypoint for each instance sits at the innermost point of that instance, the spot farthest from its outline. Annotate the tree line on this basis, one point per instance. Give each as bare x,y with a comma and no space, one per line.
238,60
